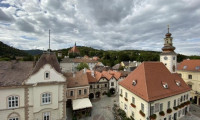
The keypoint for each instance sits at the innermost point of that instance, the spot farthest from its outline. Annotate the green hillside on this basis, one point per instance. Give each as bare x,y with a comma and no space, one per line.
10,53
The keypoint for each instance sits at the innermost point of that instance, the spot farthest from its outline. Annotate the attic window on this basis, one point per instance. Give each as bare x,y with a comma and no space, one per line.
178,83
184,67
197,67
47,75
134,82
165,85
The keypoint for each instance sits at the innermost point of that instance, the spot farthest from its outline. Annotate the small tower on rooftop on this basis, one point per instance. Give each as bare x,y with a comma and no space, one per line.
168,57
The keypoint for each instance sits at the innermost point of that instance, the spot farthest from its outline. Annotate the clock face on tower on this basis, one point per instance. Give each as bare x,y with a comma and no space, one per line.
165,58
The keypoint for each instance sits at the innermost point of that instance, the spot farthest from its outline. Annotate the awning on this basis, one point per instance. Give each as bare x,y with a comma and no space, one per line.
81,104
189,83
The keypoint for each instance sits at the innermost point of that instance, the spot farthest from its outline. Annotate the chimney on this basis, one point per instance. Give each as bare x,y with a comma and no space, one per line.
84,70
74,75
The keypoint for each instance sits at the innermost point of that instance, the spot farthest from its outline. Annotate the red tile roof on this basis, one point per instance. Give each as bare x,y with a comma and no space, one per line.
150,77
74,50
190,65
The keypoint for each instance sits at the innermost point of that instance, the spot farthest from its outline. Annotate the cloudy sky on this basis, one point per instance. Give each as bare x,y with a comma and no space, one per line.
101,24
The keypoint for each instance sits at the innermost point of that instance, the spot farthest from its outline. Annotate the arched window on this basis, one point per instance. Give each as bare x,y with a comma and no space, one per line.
47,75
14,116
174,68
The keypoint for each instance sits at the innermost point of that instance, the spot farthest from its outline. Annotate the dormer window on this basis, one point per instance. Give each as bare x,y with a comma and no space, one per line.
134,82
197,67
165,85
178,83
47,75
184,67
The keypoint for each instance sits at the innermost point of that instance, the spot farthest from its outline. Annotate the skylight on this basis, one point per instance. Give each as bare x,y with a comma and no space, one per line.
197,67
184,67
165,85
134,82
178,83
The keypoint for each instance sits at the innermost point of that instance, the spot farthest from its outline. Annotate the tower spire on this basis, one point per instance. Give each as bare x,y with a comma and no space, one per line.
49,40
168,28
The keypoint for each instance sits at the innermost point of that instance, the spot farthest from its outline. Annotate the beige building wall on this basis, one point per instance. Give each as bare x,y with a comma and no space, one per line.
194,83
5,112
76,94
131,111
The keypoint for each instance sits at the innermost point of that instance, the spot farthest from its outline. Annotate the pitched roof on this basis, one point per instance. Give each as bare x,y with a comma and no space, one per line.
80,79
150,77
74,50
189,65
13,73
47,58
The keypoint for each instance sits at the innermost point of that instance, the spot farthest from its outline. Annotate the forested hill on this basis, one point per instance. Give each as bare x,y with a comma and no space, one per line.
112,57
7,51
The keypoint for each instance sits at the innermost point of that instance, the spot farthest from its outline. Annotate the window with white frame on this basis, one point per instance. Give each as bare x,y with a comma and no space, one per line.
46,116
156,109
125,107
168,104
126,95
13,101
85,91
79,92
112,83
175,103
46,98
161,107
152,110
71,93
142,107
132,114
15,118
47,75
133,100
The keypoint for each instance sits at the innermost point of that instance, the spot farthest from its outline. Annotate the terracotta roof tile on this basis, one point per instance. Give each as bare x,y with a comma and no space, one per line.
150,76
189,65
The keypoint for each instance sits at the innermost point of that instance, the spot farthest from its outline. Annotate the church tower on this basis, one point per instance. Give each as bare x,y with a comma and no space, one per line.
168,57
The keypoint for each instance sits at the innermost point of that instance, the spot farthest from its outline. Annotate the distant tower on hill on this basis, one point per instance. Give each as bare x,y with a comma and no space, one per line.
168,57
74,50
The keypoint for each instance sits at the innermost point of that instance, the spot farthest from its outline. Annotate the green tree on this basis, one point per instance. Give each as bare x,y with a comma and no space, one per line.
82,66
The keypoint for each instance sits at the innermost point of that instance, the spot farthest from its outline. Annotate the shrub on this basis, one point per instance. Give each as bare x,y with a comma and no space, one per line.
175,108
125,99
132,118
162,113
108,94
169,110
133,105
153,116
141,113
122,113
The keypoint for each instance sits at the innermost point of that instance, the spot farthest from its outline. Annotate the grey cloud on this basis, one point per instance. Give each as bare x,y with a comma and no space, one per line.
25,26
5,17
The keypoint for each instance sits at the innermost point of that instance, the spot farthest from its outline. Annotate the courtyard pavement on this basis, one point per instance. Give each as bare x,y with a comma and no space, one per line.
194,113
102,110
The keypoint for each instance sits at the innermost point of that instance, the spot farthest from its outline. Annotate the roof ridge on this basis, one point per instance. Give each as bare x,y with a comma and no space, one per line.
145,80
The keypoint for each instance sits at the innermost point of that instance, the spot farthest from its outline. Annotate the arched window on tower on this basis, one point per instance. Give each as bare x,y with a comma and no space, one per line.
174,68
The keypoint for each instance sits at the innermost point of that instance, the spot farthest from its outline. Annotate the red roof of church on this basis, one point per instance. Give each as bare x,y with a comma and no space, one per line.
150,77
74,50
